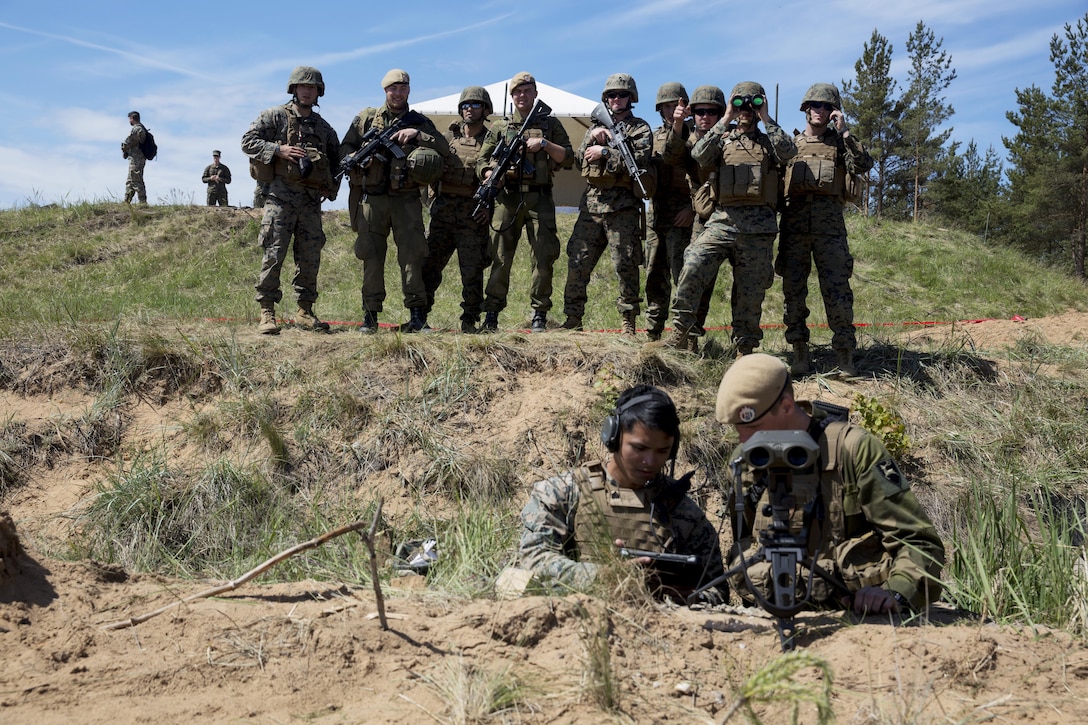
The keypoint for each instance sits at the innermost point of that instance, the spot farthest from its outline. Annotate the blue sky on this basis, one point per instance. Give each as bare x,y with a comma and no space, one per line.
199,72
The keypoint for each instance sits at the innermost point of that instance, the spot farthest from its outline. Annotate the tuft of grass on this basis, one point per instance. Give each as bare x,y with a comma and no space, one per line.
775,684
473,694
599,681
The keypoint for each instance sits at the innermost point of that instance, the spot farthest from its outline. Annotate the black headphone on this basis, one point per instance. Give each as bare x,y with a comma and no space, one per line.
611,427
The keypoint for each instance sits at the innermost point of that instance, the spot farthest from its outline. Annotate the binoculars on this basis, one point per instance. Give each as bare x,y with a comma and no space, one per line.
792,449
753,102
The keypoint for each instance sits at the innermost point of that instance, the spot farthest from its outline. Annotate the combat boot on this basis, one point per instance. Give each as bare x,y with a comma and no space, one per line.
306,318
629,318
844,360
745,349
468,325
693,344
491,322
802,362
268,324
539,322
417,321
370,323
654,333
572,323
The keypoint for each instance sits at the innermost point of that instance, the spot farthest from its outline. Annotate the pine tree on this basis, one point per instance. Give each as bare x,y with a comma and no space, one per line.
966,189
926,111
1070,90
872,102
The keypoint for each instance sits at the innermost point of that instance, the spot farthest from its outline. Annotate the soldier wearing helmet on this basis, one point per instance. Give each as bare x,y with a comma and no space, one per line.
828,159
743,225
525,201
385,197
452,227
611,212
293,151
668,230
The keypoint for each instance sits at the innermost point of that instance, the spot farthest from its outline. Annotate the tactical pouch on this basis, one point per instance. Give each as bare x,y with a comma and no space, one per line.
863,562
705,197
853,189
739,182
261,172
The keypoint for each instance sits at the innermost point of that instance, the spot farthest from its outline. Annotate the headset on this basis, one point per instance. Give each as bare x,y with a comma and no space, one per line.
611,427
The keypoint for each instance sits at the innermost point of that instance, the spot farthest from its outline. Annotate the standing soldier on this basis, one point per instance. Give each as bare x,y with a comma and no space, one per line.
743,225
671,216
813,227
385,197
525,201
611,212
293,149
216,176
452,224
132,149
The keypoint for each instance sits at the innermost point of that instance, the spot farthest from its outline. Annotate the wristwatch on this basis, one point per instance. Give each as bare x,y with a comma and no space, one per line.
604,152
904,605
543,144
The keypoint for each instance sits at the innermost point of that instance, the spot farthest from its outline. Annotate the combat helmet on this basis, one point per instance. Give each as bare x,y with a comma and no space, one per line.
822,93
670,92
708,96
747,88
425,166
621,82
476,93
306,75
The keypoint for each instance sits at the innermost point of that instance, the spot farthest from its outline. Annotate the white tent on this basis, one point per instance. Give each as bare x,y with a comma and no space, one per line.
571,110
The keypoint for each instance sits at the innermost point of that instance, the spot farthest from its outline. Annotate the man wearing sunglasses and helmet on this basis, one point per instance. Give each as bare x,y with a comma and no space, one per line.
743,225
813,228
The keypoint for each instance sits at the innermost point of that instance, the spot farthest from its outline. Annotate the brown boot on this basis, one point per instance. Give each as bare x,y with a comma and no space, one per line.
572,323
802,363
306,319
268,324
693,344
743,350
629,322
844,360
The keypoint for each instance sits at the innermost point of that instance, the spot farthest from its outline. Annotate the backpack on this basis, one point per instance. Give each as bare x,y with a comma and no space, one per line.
149,148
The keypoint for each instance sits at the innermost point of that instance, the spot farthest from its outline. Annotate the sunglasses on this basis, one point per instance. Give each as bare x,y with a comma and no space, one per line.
754,101
611,95
471,104
820,106
710,111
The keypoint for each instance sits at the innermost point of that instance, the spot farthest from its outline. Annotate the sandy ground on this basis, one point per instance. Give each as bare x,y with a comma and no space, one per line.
315,652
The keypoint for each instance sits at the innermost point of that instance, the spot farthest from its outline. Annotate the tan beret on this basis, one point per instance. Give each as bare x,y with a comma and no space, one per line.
521,79
395,76
750,388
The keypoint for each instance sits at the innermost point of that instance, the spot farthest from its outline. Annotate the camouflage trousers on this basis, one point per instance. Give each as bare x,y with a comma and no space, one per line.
452,228
217,195
751,256
665,245
134,184
301,219
378,214
533,211
619,231
834,267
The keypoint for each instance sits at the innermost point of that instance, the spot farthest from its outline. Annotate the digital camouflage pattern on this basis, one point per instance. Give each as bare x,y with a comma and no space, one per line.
610,215
742,234
217,189
290,209
813,229
887,539
549,544
130,147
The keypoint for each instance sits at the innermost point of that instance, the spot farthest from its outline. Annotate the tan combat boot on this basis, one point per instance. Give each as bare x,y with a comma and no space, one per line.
268,324
693,344
305,318
844,360
802,362
629,322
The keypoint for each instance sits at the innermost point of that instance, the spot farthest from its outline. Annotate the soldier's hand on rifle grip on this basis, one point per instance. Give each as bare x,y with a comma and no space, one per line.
601,135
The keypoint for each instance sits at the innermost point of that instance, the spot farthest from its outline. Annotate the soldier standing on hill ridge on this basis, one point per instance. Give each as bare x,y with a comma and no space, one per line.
294,150
813,227
452,226
216,176
131,149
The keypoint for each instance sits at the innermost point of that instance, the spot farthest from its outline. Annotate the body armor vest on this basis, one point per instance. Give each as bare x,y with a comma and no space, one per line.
748,175
816,168
303,132
608,512
385,174
459,178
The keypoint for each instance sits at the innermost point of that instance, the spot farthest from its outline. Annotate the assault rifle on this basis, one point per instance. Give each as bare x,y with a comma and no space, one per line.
376,142
507,153
619,142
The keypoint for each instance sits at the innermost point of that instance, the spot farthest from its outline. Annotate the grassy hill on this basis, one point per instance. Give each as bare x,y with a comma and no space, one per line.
205,447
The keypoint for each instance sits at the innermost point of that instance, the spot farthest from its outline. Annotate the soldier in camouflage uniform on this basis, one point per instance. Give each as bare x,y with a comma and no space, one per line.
875,538
525,201
216,176
573,522
611,212
131,150
385,197
813,227
670,218
452,225
294,150
743,226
